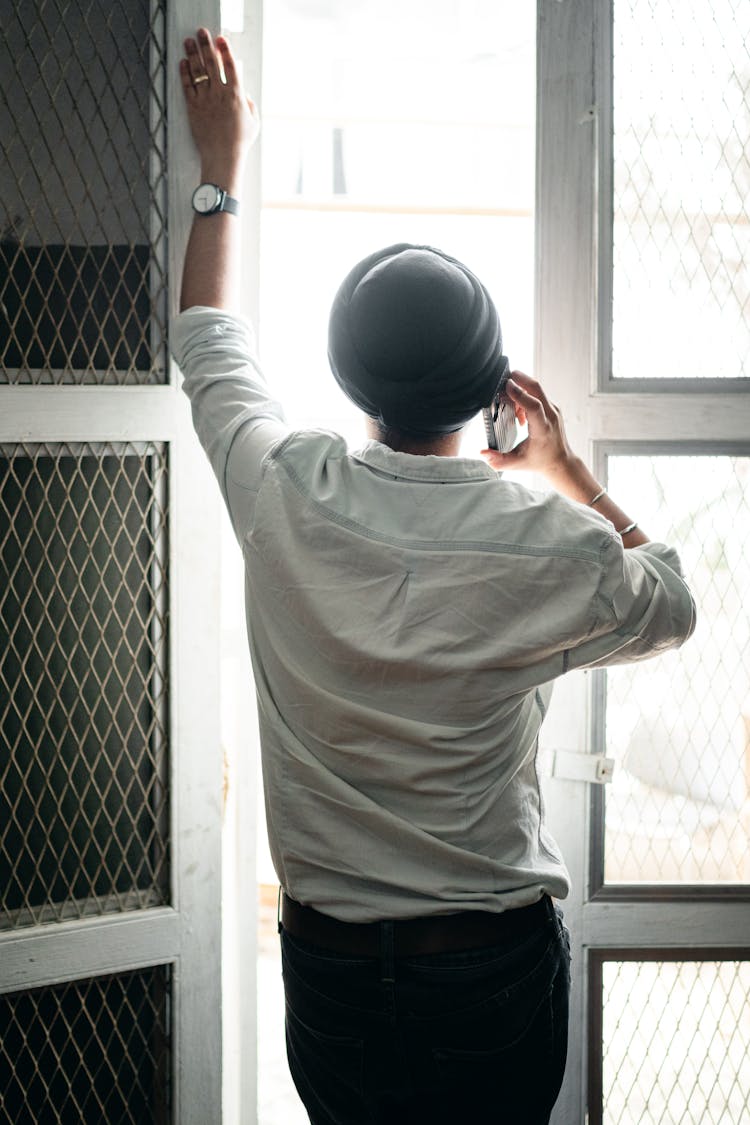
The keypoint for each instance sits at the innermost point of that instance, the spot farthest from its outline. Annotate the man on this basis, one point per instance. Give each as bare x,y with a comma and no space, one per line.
408,611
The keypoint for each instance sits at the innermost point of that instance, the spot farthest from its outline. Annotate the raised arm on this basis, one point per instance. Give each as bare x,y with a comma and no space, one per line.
224,123
546,451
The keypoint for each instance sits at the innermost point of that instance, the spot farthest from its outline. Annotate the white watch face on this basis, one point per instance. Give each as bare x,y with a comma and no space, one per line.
206,198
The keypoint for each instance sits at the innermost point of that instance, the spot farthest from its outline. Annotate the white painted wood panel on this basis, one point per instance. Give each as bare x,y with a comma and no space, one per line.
565,350
89,947
196,757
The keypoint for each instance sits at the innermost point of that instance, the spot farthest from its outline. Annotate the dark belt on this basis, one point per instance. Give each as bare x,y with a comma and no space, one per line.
443,933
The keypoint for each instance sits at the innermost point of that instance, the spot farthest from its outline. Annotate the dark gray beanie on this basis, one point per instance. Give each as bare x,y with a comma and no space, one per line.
414,340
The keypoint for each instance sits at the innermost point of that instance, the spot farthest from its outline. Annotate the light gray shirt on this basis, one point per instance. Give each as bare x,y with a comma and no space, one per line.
406,617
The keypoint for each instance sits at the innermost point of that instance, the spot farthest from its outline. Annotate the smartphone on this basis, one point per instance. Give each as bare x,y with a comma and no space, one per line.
500,417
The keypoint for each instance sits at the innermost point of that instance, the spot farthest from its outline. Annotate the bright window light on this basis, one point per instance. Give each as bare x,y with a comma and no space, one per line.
382,122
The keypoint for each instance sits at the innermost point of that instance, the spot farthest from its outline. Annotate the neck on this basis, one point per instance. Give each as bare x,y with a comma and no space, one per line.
435,445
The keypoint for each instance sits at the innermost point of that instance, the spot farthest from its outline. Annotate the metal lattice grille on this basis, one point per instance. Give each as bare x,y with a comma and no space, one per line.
83,684
678,809
83,199
681,282
93,1050
676,1038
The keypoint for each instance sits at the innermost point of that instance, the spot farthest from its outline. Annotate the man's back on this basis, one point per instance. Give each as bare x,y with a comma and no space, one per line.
406,617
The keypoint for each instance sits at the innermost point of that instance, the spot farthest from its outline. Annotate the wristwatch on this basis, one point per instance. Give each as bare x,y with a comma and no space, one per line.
210,198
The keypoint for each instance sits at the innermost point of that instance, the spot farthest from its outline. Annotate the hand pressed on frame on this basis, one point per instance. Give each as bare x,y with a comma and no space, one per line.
224,122
546,449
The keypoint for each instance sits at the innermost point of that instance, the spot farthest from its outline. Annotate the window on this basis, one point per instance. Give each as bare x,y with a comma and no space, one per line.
423,136
681,179
643,324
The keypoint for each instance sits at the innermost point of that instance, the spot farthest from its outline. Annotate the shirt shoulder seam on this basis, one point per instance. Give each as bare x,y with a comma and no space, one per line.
550,551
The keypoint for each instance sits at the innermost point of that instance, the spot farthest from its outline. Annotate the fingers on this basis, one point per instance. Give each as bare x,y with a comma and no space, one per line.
194,61
512,460
528,387
208,54
227,60
186,79
494,459
529,402
201,67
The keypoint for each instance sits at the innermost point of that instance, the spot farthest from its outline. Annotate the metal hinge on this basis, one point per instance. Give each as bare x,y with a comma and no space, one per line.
572,765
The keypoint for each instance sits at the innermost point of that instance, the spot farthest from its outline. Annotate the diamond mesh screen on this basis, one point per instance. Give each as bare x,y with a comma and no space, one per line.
678,809
82,192
676,1038
90,1051
83,685
681,283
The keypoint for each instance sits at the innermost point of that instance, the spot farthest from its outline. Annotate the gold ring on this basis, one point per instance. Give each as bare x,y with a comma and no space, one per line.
200,78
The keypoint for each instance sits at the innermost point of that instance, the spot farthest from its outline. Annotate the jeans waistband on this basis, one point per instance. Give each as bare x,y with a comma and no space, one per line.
445,933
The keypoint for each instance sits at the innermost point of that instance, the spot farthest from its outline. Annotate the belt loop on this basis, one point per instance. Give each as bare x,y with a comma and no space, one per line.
279,927
387,967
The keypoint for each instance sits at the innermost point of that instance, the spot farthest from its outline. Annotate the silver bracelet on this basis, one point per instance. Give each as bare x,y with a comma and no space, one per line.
631,527
597,497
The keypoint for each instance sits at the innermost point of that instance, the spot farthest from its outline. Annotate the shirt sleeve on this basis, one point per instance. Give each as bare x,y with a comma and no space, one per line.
236,419
644,607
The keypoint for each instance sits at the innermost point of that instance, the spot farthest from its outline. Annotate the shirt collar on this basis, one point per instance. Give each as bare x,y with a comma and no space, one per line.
411,466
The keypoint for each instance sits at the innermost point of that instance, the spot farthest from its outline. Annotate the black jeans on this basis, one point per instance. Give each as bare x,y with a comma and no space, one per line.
478,1036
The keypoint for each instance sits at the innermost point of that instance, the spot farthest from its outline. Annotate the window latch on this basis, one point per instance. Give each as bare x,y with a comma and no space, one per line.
572,765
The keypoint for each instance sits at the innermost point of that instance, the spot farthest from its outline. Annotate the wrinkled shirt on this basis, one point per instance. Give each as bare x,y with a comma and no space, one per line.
406,618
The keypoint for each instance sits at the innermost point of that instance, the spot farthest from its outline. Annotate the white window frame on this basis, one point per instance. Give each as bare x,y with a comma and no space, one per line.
573,301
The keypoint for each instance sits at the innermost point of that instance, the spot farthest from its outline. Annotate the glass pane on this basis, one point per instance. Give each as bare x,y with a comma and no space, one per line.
83,193
679,726
675,1042
83,692
91,1050
681,183
412,137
